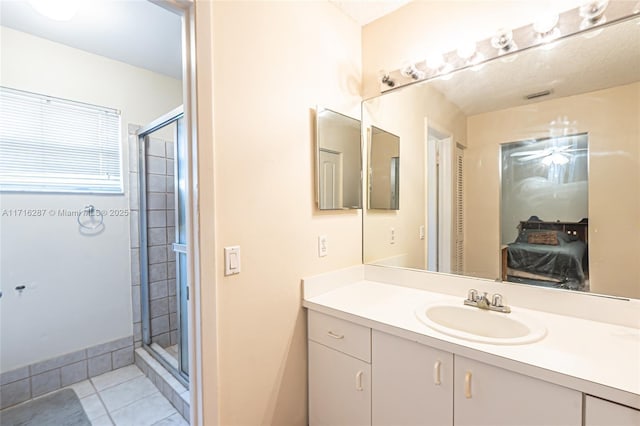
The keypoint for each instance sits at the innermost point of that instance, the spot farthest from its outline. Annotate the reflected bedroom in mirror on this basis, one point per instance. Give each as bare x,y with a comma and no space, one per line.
338,161
524,168
544,211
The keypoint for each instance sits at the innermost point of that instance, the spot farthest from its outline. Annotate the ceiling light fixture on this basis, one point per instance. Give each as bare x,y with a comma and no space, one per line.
562,126
58,10
546,27
436,62
410,70
468,53
385,78
592,12
555,158
503,41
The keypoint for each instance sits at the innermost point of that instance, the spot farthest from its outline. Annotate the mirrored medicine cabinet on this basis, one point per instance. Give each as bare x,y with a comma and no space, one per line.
338,161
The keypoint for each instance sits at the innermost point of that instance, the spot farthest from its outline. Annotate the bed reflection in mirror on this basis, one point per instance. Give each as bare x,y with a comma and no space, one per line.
544,211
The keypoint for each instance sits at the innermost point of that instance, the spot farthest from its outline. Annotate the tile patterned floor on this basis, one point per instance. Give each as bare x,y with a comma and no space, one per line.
125,397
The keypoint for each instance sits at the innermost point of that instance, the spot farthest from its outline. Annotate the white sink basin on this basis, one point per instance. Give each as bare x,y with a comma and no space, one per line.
479,325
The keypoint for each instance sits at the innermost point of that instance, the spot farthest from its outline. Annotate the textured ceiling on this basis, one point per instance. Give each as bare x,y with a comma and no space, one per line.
575,65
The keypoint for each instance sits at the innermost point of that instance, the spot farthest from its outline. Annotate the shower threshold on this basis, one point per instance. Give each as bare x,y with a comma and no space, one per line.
168,354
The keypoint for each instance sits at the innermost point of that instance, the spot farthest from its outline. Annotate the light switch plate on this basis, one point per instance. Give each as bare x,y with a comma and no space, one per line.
232,260
323,249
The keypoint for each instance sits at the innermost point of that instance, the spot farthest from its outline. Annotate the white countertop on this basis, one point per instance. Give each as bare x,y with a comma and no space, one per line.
597,358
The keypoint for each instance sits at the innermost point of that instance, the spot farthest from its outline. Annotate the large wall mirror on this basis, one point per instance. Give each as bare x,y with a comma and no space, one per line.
338,161
384,170
538,149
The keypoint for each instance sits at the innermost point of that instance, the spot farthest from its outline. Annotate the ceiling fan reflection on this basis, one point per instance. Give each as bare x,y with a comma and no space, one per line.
556,153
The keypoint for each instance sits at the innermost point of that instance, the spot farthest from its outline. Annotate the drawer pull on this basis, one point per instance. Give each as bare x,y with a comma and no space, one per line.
436,373
359,381
467,385
335,336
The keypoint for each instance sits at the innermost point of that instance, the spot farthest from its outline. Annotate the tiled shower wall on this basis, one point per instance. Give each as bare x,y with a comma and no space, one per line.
160,235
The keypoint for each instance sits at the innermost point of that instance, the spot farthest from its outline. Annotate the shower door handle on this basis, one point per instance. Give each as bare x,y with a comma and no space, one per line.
180,248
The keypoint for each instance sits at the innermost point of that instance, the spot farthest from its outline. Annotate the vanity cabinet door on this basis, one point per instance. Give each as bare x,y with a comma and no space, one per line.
412,383
598,412
339,388
490,396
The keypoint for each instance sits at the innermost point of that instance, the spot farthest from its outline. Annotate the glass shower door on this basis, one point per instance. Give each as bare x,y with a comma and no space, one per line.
163,237
182,287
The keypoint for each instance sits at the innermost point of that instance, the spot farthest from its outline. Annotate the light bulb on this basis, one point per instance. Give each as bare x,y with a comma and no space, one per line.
410,70
476,58
593,10
385,78
434,60
546,22
467,50
503,41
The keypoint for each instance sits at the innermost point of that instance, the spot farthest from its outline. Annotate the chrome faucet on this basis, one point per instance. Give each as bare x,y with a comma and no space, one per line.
482,301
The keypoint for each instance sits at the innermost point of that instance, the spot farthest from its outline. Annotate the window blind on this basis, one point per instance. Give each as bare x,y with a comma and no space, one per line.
55,145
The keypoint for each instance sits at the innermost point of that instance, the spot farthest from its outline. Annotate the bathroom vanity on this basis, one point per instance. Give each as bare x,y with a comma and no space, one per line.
373,361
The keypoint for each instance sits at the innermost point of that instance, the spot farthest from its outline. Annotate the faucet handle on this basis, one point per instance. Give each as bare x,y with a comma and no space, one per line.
496,300
472,295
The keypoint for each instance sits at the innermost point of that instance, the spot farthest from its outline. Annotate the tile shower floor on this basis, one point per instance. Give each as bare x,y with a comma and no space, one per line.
125,397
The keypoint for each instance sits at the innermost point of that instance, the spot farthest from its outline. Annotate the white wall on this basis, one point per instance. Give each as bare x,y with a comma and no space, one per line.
78,287
273,61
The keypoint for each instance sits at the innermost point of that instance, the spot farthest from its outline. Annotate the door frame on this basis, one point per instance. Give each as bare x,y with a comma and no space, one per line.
186,9
441,193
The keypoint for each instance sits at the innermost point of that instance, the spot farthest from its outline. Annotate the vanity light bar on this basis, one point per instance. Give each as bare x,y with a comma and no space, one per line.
506,43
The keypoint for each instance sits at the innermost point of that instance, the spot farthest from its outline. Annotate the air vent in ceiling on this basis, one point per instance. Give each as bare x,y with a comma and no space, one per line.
538,94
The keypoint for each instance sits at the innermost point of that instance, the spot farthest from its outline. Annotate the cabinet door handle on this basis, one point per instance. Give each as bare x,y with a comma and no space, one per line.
467,385
436,373
359,381
334,335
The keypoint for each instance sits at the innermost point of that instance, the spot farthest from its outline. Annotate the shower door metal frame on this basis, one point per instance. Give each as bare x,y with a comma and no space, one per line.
145,300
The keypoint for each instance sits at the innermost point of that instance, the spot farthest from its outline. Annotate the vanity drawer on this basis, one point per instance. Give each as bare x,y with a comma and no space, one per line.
344,336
